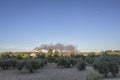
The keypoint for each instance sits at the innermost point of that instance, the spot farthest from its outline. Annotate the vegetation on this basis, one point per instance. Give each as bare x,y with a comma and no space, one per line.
81,65
30,64
6,63
93,76
66,62
105,62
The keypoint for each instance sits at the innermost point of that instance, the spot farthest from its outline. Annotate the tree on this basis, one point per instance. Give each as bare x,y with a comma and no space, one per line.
56,54
50,52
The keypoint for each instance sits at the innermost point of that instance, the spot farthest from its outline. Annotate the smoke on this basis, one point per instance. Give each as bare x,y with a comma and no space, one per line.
58,46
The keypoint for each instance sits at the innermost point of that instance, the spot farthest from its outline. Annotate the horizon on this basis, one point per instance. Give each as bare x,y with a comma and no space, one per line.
89,25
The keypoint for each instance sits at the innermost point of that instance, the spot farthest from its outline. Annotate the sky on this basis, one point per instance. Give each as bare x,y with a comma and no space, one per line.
90,25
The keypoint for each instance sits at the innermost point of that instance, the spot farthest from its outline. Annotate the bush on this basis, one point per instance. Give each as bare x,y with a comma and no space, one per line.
21,64
89,60
73,61
13,62
106,64
93,76
102,67
6,63
50,59
30,64
81,65
113,68
61,61
43,62
66,62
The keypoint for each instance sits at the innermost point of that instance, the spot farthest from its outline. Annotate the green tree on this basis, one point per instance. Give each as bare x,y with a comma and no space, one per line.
50,52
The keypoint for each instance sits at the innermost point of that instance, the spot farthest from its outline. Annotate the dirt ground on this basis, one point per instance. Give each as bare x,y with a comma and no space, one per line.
49,72
113,79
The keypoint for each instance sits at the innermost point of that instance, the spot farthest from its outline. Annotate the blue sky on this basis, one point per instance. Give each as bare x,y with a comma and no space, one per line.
91,25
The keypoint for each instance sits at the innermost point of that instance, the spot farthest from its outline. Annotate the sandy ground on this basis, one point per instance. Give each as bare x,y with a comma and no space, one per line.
49,72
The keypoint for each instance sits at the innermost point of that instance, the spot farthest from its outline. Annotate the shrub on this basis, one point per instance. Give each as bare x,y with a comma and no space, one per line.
93,76
30,64
21,64
102,67
13,62
42,62
114,68
73,61
6,63
50,59
66,62
106,64
61,61
89,60
81,65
